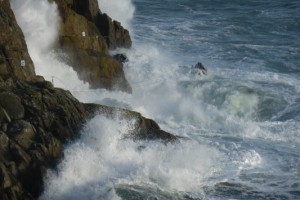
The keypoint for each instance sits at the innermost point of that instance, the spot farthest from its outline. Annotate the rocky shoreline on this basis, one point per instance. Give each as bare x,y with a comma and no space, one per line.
37,119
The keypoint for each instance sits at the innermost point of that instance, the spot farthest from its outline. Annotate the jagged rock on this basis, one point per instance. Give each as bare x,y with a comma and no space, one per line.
22,132
121,58
11,104
145,129
115,35
80,37
13,49
88,8
200,69
113,32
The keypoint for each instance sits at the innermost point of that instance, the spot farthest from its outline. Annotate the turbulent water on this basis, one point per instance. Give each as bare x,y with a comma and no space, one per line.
241,121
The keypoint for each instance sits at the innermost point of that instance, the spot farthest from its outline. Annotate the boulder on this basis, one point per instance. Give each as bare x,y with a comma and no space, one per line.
122,58
144,128
199,69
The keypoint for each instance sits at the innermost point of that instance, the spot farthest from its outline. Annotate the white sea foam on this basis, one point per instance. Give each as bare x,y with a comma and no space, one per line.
213,110
101,161
39,21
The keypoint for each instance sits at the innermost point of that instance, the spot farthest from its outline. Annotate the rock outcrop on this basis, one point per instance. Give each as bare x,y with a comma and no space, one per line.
14,58
113,32
36,119
87,38
144,128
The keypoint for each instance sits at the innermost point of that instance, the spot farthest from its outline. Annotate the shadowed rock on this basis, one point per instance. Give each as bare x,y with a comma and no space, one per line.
200,69
121,58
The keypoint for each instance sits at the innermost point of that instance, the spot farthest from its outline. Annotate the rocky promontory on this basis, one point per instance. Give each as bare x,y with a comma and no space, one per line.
37,119
87,34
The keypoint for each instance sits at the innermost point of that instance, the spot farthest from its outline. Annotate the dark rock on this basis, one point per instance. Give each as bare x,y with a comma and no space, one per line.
87,8
12,104
5,181
149,130
145,129
22,132
114,34
121,58
200,69
4,142
4,117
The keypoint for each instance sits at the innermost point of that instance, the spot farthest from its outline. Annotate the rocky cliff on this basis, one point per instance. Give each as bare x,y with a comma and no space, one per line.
14,58
36,119
87,35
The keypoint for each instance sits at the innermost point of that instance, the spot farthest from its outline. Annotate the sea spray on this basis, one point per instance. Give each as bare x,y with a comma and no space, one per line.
40,21
102,161
120,10
242,120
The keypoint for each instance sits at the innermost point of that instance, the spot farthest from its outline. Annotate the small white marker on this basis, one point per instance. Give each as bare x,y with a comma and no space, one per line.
23,63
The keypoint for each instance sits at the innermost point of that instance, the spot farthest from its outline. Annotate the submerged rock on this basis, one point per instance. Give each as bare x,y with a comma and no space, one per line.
200,69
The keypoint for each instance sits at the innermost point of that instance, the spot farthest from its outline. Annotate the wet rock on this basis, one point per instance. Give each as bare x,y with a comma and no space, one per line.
150,130
87,46
145,129
121,58
114,34
199,69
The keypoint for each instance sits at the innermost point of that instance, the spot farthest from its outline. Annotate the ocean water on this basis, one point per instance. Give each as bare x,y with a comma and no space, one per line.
240,121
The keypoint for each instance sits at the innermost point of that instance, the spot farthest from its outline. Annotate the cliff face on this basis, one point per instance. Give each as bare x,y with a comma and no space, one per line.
87,39
36,119
14,58
114,34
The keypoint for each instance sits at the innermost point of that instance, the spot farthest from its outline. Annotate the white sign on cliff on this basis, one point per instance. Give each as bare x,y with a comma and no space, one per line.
83,34
22,63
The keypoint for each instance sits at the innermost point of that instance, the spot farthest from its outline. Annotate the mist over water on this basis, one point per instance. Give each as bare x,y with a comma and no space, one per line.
241,121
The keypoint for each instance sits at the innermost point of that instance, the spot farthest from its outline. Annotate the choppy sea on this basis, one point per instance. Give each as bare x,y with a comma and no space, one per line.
240,121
